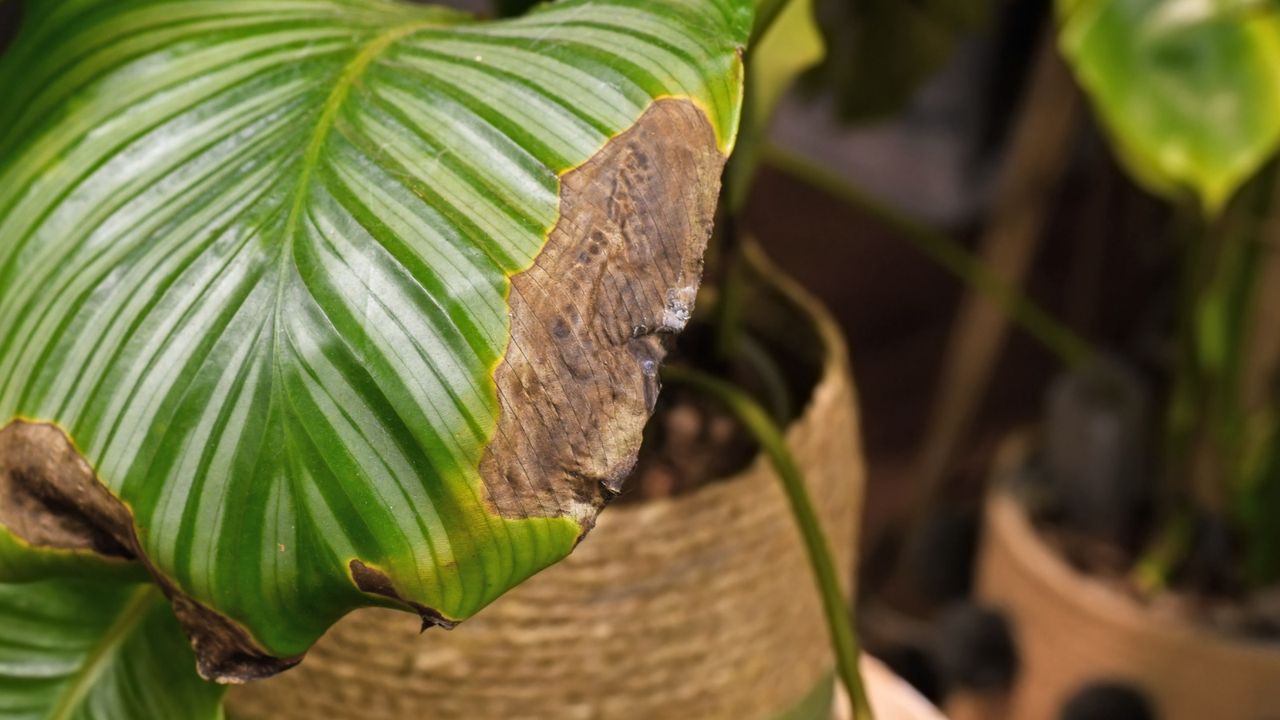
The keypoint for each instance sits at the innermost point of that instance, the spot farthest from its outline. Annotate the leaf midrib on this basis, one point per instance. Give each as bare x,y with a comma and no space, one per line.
351,73
101,653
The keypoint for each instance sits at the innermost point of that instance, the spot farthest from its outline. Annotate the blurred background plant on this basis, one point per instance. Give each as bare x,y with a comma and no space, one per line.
1142,218
1188,95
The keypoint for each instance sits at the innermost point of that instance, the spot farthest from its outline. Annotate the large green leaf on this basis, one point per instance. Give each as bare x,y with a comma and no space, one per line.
78,650
314,304
1189,90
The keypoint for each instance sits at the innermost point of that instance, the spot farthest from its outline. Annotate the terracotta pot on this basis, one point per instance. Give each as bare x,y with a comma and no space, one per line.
697,606
1072,630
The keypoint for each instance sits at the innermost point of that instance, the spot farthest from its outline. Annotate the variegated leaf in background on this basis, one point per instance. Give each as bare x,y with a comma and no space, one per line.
1189,90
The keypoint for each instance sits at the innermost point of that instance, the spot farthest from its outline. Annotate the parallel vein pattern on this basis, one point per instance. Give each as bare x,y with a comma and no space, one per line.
77,650
255,257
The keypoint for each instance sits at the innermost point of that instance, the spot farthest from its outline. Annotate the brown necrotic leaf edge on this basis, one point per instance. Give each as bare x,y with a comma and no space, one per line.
50,497
589,321
590,318
376,582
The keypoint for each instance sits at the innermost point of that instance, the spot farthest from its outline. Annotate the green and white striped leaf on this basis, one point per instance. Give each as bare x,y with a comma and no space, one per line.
1189,90
79,650
327,303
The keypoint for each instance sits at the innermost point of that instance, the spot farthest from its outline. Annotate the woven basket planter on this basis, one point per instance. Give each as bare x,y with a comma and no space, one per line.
1072,630
697,606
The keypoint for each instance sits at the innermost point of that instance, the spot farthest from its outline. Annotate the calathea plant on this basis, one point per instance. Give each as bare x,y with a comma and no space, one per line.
1190,95
309,305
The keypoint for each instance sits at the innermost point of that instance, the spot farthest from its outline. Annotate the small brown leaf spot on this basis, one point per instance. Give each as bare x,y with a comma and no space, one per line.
579,379
376,582
372,581
560,329
281,547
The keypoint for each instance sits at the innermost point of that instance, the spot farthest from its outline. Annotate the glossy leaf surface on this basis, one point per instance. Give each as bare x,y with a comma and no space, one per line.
77,650
1189,90
256,259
